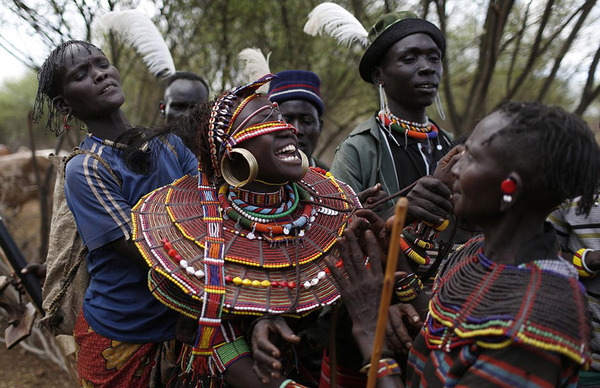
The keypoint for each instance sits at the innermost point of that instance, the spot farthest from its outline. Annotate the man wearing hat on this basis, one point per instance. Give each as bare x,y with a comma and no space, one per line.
399,144
298,94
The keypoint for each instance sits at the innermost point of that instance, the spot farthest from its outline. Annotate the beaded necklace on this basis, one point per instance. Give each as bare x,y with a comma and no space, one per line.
272,223
113,144
417,130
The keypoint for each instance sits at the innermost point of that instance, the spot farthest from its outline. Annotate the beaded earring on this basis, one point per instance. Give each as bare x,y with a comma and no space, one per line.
508,187
68,121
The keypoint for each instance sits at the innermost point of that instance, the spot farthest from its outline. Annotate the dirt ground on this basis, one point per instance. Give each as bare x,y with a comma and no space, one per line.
19,368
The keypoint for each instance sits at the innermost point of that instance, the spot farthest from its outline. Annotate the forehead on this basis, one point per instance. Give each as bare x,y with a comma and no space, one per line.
77,54
489,126
188,89
418,41
299,107
252,106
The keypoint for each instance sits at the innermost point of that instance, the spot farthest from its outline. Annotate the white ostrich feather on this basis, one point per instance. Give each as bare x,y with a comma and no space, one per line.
333,20
255,66
138,30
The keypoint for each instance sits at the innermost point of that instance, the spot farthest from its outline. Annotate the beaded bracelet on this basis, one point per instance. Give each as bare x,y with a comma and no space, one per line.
579,263
412,254
289,383
408,288
583,256
385,367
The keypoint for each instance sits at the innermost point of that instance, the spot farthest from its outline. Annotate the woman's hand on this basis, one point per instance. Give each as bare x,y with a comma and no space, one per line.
361,291
266,354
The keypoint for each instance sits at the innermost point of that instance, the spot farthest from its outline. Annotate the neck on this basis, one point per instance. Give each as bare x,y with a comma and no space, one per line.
414,114
108,127
503,240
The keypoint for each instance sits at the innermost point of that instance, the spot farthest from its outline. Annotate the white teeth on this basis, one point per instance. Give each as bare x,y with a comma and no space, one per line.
289,148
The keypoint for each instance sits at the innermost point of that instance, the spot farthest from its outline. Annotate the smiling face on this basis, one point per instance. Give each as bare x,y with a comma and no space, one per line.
276,152
480,172
91,86
304,116
411,71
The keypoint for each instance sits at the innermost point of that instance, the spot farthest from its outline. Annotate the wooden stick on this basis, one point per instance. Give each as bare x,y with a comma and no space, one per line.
388,286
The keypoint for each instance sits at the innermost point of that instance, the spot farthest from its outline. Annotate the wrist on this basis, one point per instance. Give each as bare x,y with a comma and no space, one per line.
585,267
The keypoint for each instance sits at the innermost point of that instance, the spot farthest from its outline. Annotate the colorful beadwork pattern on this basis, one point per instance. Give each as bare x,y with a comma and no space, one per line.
260,274
493,305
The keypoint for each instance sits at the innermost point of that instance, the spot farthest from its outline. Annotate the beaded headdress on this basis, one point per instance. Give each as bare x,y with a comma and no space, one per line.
223,136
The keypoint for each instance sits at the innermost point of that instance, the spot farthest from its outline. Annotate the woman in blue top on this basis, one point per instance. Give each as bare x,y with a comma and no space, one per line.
121,325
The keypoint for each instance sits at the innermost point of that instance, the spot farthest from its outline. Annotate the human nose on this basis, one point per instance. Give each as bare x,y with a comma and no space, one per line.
100,75
425,66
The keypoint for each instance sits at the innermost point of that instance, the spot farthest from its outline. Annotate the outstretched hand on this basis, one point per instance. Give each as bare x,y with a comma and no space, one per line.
361,290
266,354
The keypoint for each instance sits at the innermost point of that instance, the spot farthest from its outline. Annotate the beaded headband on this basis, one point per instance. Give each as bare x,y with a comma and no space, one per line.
223,137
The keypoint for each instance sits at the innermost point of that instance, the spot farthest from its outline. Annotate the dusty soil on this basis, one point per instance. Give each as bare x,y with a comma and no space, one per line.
19,368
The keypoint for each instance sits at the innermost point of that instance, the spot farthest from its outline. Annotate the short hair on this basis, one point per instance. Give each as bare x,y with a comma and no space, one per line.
50,84
186,75
554,151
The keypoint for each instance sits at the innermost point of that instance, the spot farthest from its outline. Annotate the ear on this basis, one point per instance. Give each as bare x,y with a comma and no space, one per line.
320,126
518,181
61,104
377,75
161,107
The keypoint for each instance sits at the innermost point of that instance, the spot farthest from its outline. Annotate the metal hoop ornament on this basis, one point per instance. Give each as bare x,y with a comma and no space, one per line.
252,166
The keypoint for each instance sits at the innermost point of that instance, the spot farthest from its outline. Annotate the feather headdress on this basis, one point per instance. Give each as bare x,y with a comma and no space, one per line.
333,20
140,32
255,66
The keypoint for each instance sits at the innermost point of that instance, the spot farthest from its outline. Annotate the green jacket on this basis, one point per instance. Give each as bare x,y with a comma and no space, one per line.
364,158
360,161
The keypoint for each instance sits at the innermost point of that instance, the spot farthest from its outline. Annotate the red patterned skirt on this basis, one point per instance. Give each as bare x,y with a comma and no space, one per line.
102,362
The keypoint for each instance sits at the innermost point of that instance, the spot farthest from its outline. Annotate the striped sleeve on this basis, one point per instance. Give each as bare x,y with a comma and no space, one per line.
94,196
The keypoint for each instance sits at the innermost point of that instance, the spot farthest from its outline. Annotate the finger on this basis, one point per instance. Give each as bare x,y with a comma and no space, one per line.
356,255
373,252
399,327
261,341
265,362
263,376
392,339
411,315
335,272
286,332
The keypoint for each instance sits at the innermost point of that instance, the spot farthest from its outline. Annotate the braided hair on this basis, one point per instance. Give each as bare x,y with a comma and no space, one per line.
50,79
554,151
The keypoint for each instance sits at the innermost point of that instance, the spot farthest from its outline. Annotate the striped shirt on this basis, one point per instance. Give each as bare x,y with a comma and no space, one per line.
574,232
118,304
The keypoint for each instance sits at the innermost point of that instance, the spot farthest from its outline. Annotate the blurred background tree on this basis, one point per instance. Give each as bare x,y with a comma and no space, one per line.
497,50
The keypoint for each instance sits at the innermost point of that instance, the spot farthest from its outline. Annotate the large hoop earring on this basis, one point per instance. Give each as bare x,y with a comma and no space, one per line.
252,166
305,162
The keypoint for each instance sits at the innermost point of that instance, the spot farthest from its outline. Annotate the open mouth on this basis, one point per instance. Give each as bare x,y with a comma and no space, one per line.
427,86
287,153
108,88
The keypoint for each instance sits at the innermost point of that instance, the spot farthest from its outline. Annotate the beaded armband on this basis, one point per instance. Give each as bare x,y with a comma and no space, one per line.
408,288
580,265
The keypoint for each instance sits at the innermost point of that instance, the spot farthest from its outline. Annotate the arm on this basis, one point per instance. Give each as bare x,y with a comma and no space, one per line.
352,156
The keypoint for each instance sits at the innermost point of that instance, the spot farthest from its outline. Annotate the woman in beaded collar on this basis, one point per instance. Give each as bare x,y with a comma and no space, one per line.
247,237
506,308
